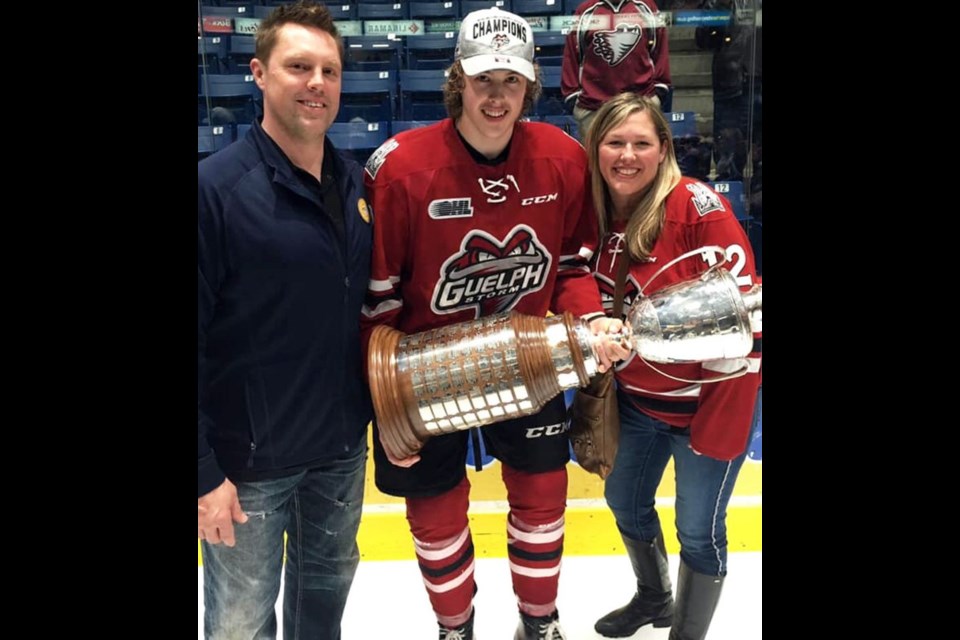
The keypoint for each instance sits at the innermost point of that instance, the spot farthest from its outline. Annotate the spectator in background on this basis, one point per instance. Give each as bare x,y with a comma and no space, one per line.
650,214
489,194
737,91
283,261
615,47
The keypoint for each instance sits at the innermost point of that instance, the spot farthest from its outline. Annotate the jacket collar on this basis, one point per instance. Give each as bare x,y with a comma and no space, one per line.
283,169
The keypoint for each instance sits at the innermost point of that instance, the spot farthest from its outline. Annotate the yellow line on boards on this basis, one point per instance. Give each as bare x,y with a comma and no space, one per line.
590,528
589,531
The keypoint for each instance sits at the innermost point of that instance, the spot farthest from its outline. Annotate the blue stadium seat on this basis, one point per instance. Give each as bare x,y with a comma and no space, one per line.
551,100
733,191
372,53
469,6
570,6
242,10
212,139
227,98
421,94
549,48
566,122
211,54
368,95
358,139
446,9
537,7
693,150
403,125
342,11
371,11
345,11
239,53
431,50
682,123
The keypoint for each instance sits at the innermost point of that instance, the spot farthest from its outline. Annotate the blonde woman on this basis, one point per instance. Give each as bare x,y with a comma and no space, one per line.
650,214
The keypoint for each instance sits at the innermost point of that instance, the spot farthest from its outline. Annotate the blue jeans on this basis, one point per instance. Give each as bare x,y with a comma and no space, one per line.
704,486
320,512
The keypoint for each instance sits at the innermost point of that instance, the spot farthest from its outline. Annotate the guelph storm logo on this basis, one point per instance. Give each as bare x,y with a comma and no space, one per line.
614,46
491,275
499,41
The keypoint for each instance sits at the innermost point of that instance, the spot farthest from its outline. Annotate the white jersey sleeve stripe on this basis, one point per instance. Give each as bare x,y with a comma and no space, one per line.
383,307
383,285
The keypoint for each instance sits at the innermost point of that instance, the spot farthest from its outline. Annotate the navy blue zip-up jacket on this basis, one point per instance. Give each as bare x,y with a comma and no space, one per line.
279,372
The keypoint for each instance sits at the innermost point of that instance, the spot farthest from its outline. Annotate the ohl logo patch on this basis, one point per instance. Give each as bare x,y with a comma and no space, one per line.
491,275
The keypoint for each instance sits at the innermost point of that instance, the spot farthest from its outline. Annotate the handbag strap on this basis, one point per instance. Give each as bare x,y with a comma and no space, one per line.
623,266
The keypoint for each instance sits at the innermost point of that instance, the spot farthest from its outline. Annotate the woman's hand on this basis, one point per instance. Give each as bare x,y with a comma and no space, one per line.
610,345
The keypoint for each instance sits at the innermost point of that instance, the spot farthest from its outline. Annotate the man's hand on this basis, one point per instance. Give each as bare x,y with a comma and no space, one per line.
610,349
216,513
400,462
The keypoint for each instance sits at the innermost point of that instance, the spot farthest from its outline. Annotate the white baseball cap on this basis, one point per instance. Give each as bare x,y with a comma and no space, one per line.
494,39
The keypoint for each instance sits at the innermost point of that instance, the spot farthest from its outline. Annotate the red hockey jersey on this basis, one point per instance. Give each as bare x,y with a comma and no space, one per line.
456,240
718,414
614,48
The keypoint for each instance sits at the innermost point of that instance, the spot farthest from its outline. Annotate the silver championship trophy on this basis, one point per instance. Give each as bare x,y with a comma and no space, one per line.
508,365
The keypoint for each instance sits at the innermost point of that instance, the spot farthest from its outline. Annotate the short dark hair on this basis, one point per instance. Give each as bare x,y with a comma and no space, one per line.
306,13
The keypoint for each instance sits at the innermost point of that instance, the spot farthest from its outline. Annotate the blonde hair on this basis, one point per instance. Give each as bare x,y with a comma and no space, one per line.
456,81
646,220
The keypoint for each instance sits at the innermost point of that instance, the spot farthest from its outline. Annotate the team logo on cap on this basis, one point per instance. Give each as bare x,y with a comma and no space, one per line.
499,41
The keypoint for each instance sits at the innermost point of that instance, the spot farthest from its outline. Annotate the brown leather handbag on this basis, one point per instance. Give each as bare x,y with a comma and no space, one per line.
594,417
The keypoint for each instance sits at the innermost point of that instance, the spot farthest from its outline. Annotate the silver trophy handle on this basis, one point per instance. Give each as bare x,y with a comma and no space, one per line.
712,247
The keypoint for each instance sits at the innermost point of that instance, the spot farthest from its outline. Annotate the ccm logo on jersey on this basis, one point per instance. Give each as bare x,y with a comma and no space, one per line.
546,430
526,202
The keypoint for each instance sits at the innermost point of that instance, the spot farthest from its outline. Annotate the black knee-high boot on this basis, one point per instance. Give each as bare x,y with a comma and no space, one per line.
653,601
697,597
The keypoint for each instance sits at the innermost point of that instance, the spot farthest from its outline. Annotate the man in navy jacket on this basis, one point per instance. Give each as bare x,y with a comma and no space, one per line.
283,262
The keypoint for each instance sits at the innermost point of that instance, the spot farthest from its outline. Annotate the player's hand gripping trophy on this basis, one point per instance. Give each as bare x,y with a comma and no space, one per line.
503,366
